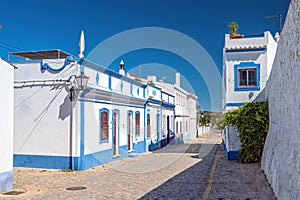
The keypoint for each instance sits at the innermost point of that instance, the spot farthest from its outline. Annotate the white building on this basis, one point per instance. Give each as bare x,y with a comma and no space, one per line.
6,125
185,112
62,124
247,63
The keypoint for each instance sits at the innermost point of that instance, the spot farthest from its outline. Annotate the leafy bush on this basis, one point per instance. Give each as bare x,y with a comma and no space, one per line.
252,123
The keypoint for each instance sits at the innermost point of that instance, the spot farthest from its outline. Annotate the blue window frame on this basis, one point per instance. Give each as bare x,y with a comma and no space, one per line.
104,125
247,76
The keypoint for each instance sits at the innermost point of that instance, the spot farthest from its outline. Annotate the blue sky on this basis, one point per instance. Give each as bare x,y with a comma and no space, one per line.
39,25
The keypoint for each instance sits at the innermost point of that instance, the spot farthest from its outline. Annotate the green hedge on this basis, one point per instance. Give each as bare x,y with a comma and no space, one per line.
252,122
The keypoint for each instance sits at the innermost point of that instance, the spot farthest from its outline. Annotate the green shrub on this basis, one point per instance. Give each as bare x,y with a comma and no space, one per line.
252,123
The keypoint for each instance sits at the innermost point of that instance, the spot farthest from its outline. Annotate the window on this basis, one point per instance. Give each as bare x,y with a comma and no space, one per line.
104,127
247,77
148,126
186,126
176,127
180,127
137,124
164,126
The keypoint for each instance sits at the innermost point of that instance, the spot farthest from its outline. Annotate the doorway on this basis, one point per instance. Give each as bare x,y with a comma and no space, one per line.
129,130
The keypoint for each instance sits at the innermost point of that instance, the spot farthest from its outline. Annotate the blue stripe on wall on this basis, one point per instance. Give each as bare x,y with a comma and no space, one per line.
6,181
245,50
230,155
63,162
234,104
42,161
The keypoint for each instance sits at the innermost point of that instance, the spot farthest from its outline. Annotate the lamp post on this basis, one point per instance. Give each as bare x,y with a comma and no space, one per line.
81,82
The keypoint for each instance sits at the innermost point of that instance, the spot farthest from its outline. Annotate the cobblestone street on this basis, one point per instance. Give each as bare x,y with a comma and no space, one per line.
182,171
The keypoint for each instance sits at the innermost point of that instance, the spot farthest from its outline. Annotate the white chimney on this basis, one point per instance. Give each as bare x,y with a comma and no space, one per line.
277,37
151,78
121,70
177,79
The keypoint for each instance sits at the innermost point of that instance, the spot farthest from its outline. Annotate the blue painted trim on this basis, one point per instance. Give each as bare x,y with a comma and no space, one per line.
154,101
168,105
79,166
68,60
6,180
236,74
108,102
44,161
153,86
121,86
97,78
245,50
100,120
167,94
254,35
234,104
109,82
118,128
230,155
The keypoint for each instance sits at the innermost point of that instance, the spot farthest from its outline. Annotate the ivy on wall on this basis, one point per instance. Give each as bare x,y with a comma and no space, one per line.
252,123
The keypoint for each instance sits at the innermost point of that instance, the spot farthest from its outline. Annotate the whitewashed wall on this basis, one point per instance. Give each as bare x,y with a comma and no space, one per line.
42,110
6,125
92,126
281,156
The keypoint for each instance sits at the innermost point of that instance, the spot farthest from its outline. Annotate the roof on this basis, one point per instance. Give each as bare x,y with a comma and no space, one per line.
38,55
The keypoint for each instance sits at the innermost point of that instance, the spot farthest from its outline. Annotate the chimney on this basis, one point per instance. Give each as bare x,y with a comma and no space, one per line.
177,79
277,37
151,78
121,70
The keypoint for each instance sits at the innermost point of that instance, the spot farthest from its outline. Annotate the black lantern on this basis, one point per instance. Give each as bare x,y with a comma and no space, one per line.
82,81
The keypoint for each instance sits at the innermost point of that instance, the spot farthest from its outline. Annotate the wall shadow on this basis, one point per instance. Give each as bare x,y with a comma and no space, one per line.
189,184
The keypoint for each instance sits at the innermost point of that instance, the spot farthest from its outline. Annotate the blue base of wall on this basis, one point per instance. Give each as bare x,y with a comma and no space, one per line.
66,162
139,147
41,161
6,181
230,155
164,142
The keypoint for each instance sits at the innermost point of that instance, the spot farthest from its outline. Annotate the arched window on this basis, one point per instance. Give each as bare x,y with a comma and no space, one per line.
148,125
104,125
137,124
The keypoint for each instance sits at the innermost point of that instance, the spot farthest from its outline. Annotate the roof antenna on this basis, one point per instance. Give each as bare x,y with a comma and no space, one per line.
276,16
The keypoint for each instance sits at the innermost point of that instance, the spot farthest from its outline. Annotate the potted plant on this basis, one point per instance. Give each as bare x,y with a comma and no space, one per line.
233,26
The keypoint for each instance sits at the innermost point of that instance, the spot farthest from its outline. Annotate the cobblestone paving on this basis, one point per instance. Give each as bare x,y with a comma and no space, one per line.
180,171
233,180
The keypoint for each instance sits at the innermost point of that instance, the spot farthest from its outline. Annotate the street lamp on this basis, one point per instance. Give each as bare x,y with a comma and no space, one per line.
81,82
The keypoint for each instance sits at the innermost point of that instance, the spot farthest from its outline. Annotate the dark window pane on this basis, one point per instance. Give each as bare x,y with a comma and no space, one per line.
137,123
148,126
252,77
243,77
104,126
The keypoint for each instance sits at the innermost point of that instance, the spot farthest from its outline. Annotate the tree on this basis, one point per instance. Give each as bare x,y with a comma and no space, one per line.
233,26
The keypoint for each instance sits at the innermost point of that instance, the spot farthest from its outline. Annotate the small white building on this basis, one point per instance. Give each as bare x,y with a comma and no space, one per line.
247,63
6,125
